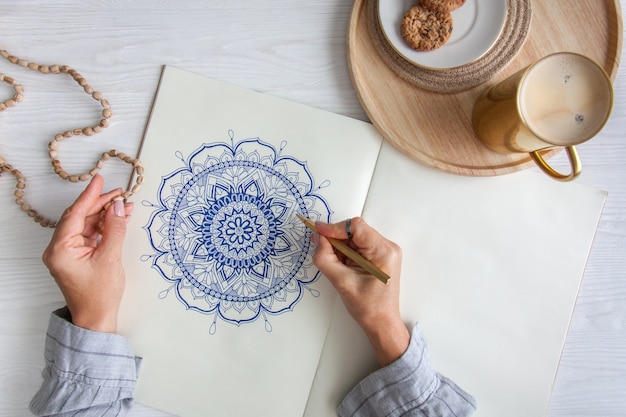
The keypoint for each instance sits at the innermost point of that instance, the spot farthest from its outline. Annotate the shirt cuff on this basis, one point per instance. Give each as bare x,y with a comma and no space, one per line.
84,368
405,386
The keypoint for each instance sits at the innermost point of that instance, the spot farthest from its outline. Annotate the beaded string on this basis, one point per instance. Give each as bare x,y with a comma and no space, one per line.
53,145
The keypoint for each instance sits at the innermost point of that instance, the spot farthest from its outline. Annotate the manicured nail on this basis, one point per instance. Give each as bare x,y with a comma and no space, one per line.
118,206
315,238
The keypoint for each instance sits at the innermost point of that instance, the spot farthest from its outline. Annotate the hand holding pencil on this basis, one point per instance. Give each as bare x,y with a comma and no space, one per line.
373,305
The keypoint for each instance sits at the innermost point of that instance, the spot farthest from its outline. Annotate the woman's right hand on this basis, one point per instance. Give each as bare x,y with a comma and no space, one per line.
372,304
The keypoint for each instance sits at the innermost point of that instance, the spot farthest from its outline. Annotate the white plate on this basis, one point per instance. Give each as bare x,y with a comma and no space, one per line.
477,25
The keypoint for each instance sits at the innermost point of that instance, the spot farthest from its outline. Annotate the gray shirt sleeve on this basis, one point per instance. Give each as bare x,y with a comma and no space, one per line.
94,374
86,373
408,387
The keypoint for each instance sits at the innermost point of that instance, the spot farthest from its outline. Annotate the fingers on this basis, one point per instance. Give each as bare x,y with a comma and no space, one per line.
362,234
326,260
334,230
114,228
73,218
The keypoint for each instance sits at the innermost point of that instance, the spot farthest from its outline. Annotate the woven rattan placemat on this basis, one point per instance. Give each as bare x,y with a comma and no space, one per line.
464,77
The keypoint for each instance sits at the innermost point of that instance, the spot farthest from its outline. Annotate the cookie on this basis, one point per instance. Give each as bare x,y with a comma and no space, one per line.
426,30
444,6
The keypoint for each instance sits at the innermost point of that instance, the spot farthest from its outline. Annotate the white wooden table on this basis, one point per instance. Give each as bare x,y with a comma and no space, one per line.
295,50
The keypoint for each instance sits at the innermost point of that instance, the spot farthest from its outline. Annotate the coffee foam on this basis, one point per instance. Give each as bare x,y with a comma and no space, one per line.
565,99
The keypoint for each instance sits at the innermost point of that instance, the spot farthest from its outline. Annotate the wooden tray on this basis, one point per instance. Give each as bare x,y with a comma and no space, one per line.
435,128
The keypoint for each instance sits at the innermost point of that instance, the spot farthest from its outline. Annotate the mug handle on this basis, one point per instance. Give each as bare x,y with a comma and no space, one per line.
574,161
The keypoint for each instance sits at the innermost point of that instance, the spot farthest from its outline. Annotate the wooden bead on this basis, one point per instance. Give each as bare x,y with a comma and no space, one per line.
64,69
31,212
20,185
88,131
53,154
38,219
45,222
33,66
12,59
4,53
9,80
127,195
97,95
19,88
17,97
105,103
53,145
140,170
44,69
73,178
22,62
10,103
104,123
97,129
58,170
84,177
55,69
107,113
19,201
106,156
113,153
139,180
78,132
82,82
64,175
3,106
136,163
2,161
59,137
100,164
129,159
88,89
19,193
24,207
121,155
135,188
68,134
93,172
56,163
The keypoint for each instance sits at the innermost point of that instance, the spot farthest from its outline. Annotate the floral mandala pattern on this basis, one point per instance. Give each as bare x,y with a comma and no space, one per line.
225,234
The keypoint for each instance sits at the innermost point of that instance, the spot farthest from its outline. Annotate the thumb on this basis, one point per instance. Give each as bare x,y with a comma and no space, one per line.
114,229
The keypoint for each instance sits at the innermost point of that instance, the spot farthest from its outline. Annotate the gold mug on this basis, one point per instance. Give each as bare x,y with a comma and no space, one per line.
562,100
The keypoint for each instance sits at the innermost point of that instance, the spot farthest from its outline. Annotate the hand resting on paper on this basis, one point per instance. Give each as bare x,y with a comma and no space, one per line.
372,304
87,266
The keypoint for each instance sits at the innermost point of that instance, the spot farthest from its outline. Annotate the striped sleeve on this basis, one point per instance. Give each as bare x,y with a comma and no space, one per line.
408,387
86,373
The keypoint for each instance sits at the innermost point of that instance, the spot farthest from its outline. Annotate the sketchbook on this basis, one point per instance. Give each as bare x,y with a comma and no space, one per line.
231,316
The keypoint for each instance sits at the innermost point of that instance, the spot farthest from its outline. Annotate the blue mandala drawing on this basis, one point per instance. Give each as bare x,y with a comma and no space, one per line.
225,234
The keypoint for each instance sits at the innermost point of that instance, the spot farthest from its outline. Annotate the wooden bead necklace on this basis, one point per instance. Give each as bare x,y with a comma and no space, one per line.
53,146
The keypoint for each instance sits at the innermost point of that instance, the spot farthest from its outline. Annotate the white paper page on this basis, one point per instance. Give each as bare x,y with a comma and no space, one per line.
196,361
491,270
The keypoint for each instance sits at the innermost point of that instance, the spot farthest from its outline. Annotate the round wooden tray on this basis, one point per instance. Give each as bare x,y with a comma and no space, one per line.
435,128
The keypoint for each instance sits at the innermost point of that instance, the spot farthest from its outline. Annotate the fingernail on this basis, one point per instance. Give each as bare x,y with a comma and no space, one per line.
315,238
118,206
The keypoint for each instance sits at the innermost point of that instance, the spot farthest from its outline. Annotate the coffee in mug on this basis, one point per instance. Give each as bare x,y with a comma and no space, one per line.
562,100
